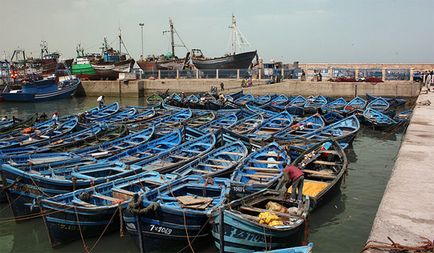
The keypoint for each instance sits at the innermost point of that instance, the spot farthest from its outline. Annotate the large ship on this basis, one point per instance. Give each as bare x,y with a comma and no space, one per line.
233,60
168,61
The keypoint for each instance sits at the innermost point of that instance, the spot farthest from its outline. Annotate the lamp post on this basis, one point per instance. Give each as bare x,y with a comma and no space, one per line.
141,27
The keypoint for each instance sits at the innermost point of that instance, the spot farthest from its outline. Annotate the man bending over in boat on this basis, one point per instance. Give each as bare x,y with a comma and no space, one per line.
293,177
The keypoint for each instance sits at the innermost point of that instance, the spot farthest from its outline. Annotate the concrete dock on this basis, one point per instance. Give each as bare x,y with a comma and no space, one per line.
143,88
406,212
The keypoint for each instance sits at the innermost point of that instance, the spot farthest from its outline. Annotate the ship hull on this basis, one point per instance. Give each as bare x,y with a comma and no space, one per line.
236,61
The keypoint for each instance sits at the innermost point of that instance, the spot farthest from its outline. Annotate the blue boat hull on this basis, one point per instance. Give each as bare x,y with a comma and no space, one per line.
29,97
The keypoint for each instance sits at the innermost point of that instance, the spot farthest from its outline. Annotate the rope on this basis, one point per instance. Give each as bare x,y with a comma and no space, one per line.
81,233
425,246
105,229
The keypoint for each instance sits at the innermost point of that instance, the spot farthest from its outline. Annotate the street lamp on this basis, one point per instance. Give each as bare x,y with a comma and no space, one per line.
141,27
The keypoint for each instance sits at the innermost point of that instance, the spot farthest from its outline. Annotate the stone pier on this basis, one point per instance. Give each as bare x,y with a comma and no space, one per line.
406,212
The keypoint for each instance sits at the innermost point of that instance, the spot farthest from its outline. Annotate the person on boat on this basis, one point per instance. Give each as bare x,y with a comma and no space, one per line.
100,101
293,177
43,117
4,118
55,117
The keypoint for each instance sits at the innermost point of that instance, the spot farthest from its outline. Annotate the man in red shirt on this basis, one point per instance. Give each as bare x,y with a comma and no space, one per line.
293,176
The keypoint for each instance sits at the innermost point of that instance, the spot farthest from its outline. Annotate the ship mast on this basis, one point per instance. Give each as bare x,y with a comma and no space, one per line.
238,41
172,32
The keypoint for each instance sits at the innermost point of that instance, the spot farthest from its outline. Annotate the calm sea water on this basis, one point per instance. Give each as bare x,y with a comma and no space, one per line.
341,225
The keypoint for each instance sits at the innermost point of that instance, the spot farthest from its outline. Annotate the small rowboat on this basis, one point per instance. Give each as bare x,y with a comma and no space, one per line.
244,99
218,162
323,166
97,113
261,169
356,103
225,121
27,185
379,104
300,249
154,100
92,209
302,128
179,155
19,134
259,110
113,147
201,118
43,138
394,102
313,103
10,125
179,211
262,100
243,230
140,116
248,124
167,124
377,119
271,126
149,149
39,159
76,138
336,105
119,116
298,101
332,117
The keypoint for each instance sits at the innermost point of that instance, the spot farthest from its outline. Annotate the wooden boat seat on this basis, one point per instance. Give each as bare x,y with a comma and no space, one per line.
269,170
180,157
119,193
258,176
260,210
202,171
329,152
325,163
267,162
212,165
100,196
220,160
82,203
231,153
322,174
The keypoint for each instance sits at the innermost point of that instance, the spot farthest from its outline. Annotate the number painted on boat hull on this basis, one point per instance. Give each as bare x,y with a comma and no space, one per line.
160,229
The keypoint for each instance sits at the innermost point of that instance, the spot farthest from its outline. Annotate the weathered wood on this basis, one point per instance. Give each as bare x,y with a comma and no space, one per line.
267,162
320,174
82,203
100,196
262,169
180,157
329,152
258,176
324,162
231,153
212,165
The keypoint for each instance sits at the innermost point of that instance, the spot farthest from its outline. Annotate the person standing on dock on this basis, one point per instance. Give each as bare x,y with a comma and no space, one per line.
293,177
428,81
100,101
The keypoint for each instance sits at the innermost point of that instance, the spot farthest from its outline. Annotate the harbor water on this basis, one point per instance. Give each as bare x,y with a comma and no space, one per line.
341,225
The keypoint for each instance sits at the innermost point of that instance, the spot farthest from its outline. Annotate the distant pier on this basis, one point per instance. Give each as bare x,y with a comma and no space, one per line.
406,213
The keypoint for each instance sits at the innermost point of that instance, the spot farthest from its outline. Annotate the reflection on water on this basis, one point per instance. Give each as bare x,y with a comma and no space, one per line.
341,225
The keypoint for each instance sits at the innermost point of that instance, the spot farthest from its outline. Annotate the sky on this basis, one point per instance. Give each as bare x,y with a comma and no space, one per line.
309,31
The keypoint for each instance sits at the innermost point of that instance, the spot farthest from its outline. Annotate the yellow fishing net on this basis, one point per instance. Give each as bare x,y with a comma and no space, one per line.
312,188
270,219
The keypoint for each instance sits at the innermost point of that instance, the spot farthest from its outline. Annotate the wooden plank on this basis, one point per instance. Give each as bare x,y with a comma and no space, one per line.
260,210
329,152
180,157
100,196
325,162
231,153
212,165
267,162
320,174
82,203
258,176
270,170
220,160
201,171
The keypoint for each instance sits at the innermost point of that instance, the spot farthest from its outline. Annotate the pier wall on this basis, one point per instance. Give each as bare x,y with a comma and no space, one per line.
141,88
406,211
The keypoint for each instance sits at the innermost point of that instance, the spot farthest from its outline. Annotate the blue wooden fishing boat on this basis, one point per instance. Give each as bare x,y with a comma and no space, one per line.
342,131
21,134
377,119
299,101
403,116
29,160
379,104
41,138
238,226
324,166
167,124
279,100
179,211
201,118
393,102
261,169
302,128
332,117
100,113
262,100
336,105
8,126
225,121
300,249
94,211
179,155
247,124
75,138
120,116
356,103
295,110
271,126
42,90
313,103
244,99
149,149
154,100
25,186
218,162
141,116
259,110
113,147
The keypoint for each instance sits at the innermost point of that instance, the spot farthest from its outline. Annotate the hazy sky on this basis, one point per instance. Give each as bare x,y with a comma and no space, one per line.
389,31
